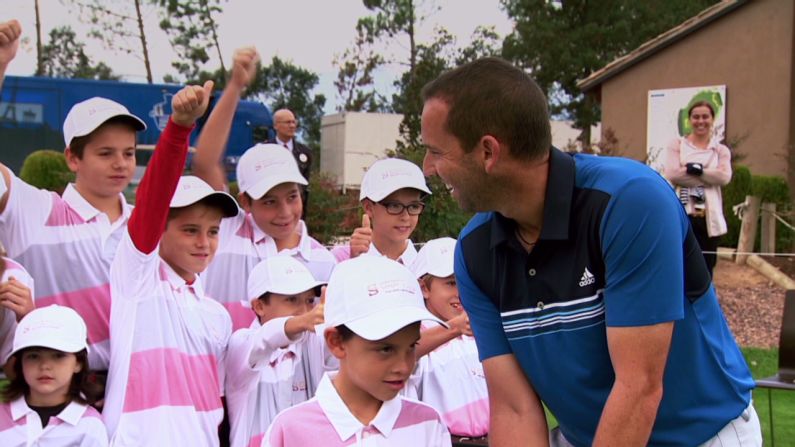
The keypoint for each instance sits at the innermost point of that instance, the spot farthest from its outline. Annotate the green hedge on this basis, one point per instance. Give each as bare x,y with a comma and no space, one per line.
769,189
46,169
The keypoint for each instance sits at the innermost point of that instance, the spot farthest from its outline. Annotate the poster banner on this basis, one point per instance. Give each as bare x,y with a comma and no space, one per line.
667,117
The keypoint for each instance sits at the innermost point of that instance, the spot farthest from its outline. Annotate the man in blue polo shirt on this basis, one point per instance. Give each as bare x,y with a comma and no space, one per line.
584,284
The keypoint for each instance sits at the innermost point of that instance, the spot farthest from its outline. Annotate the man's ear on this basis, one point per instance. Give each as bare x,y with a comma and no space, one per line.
334,342
492,152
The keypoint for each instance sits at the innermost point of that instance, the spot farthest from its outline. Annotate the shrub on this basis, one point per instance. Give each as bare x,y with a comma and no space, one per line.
330,213
46,169
769,189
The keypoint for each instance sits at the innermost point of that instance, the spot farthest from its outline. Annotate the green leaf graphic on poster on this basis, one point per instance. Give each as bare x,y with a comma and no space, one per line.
710,96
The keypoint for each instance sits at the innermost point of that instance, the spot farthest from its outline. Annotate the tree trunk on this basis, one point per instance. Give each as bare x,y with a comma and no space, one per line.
39,59
214,33
143,41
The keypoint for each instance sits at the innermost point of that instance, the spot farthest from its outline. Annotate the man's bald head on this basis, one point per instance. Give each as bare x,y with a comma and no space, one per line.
285,124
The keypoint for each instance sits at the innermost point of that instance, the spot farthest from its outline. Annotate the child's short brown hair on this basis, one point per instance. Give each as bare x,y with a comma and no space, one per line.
78,144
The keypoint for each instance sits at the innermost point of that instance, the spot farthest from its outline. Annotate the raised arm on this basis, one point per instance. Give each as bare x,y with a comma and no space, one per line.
9,43
215,134
148,220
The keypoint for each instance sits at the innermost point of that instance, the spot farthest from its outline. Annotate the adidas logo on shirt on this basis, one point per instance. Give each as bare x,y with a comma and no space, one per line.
587,278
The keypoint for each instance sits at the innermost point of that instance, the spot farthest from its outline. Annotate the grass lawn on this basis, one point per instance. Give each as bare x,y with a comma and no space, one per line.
764,363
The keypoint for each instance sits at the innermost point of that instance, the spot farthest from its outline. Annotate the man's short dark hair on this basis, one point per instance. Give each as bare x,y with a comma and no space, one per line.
490,96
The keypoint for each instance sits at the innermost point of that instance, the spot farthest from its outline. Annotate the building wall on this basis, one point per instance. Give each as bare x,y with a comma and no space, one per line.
750,51
351,141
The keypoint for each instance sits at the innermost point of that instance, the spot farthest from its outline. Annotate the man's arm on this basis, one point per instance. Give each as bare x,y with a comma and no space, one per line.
639,355
212,141
517,417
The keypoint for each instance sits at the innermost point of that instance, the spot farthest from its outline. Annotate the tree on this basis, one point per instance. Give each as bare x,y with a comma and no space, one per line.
192,30
283,84
119,26
355,81
561,42
65,57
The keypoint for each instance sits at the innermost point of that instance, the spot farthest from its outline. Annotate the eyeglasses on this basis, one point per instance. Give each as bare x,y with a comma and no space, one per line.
396,208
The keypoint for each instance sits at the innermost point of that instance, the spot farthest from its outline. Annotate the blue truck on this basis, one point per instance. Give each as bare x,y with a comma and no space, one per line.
32,111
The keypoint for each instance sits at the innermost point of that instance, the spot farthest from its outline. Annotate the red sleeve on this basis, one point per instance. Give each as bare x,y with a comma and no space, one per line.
148,220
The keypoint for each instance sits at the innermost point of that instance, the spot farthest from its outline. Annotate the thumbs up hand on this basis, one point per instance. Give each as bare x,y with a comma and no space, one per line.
190,103
361,237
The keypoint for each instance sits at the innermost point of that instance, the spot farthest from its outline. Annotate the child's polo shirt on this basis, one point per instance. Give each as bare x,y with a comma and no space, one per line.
67,245
451,380
326,418
266,373
241,246
168,343
343,253
77,424
8,319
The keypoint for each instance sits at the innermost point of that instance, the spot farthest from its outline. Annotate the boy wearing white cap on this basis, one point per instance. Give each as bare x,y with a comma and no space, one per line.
45,403
168,340
270,194
278,361
372,320
450,378
391,196
81,228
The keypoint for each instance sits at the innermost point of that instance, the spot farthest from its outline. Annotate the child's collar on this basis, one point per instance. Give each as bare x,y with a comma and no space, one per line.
71,414
344,422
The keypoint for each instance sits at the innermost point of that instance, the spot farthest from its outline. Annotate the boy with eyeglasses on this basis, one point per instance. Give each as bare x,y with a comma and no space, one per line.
391,197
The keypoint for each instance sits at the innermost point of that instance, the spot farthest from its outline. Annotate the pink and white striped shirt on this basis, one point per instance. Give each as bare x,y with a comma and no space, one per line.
51,235
326,420
241,246
75,425
168,343
451,380
343,253
8,319
266,373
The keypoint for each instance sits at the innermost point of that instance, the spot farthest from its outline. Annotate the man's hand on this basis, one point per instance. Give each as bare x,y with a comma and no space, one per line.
361,237
244,66
190,103
9,41
16,297
460,324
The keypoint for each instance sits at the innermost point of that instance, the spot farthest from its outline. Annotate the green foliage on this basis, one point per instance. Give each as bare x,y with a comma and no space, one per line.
192,32
329,213
65,57
563,42
355,83
769,189
283,84
46,169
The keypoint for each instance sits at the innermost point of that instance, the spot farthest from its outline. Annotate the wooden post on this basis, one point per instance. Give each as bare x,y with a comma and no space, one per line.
768,242
748,229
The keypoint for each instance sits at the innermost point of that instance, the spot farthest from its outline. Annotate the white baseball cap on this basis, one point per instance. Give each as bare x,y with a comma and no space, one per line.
86,116
280,274
55,327
435,258
374,297
192,189
388,175
264,166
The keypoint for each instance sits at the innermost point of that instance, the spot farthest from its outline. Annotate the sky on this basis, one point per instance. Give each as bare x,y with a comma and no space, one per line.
308,32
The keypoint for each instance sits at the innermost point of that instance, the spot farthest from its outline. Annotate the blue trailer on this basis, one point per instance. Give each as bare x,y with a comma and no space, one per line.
33,109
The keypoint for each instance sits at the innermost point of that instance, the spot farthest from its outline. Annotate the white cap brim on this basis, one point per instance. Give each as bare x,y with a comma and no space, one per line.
265,185
383,194
228,204
58,344
384,323
100,119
